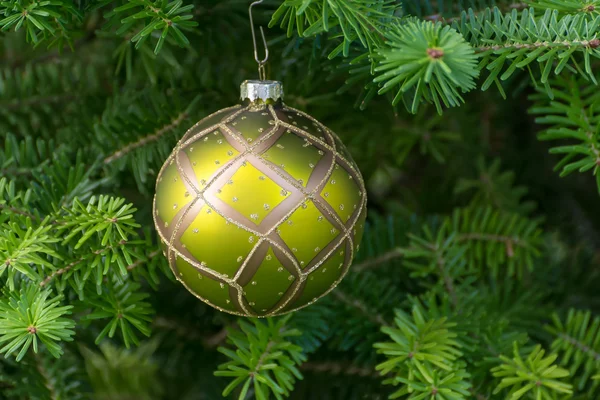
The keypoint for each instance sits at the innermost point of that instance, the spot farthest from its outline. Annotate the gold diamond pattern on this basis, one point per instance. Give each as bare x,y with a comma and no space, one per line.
297,156
252,193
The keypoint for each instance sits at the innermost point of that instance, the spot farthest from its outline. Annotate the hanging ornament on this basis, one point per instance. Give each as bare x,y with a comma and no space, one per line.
260,208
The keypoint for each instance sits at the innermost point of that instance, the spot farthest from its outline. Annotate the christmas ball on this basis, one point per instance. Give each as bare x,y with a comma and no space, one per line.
260,208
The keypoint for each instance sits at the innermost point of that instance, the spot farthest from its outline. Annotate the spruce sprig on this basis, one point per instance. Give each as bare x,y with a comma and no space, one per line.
30,316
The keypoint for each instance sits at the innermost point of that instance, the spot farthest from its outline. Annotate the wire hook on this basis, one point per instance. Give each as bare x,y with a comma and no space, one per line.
261,63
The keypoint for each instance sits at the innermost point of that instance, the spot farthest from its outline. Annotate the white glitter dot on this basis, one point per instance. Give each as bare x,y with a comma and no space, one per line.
220,141
254,283
251,239
227,301
174,206
254,216
195,230
191,149
230,153
186,194
268,257
260,130
342,207
279,146
324,270
301,262
240,258
266,206
320,218
199,276
295,250
290,222
280,294
333,181
234,199
311,165
280,269
262,178
252,303
317,249
206,138
243,117
290,278
284,192
321,152
230,182
326,194
222,285
333,231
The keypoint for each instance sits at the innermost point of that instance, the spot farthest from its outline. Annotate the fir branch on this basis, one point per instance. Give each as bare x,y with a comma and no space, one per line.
264,358
577,341
536,375
574,119
374,262
520,38
361,307
340,368
126,307
30,315
147,139
139,262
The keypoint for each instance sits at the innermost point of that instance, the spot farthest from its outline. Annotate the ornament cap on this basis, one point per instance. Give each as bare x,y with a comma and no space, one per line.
261,91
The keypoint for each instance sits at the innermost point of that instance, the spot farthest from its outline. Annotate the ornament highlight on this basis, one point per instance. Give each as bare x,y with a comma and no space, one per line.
260,208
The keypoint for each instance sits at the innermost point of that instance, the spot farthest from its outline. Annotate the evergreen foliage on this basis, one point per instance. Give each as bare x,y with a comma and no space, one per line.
478,274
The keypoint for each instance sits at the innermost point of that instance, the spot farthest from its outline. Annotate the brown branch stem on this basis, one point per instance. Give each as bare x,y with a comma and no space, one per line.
146,139
359,305
373,262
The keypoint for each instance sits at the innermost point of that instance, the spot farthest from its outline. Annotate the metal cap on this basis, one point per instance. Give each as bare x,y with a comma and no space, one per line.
256,90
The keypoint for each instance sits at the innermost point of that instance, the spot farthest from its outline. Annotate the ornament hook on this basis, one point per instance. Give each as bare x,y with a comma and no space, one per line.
261,63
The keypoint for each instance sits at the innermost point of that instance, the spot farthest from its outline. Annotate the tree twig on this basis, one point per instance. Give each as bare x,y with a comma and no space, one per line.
385,257
146,139
362,307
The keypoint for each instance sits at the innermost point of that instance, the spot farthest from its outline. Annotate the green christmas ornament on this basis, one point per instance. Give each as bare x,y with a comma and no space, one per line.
260,207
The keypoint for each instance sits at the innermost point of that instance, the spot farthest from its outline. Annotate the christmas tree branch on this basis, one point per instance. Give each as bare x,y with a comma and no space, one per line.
559,43
588,350
340,368
148,139
382,259
360,306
